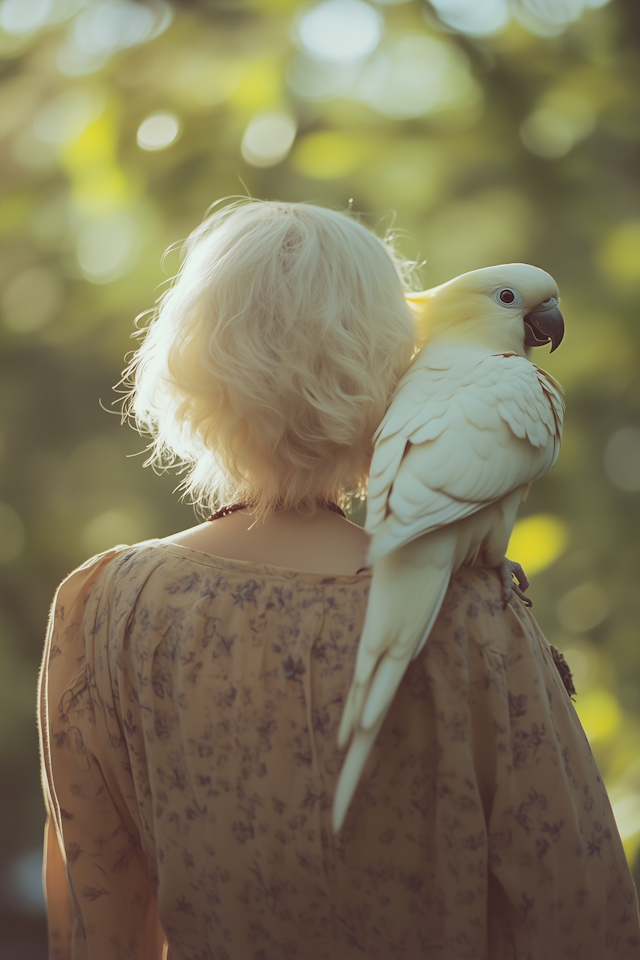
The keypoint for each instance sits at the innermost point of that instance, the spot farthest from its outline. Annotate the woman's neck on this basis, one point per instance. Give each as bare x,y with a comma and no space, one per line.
323,543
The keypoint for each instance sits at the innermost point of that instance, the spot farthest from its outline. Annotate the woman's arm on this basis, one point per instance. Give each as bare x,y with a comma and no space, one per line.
57,895
100,898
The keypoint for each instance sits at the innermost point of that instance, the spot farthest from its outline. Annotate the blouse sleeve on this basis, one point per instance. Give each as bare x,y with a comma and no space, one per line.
100,898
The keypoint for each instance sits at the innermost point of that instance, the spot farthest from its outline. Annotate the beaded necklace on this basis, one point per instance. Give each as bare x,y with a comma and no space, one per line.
232,507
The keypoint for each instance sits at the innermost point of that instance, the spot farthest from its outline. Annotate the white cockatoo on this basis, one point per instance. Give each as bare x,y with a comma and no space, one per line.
470,426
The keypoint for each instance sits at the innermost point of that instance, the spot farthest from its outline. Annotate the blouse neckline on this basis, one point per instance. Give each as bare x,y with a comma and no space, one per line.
258,569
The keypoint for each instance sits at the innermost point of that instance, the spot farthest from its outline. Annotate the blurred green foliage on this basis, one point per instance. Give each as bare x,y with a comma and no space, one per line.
120,123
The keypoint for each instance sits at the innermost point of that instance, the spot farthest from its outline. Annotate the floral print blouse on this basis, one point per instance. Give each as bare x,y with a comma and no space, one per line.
189,708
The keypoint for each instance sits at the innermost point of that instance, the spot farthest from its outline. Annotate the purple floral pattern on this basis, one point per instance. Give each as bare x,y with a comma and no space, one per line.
189,709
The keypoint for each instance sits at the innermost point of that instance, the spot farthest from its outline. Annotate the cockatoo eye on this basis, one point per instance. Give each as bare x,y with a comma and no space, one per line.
507,297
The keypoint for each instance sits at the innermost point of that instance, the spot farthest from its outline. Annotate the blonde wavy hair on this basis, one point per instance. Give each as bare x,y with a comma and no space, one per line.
271,359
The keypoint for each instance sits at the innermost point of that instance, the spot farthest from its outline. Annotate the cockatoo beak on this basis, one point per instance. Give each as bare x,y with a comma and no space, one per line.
544,324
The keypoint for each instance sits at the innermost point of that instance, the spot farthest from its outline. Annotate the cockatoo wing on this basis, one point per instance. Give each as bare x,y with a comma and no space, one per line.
463,430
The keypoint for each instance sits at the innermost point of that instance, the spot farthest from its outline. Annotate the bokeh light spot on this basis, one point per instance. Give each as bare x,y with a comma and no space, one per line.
555,11
73,61
104,28
473,17
117,24
101,190
546,133
622,459
552,130
620,253
313,79
599,714
415,76
259,86
340,30
583,608
24,882
626,810
158,131
31,299
268,139
536,542
24,16
329,155
95,146
108,248
11,534
110,528
548,18
583,665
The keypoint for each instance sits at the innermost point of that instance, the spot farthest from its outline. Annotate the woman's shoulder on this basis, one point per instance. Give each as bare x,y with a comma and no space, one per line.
100,563
97,599
82,577
115,574
164,570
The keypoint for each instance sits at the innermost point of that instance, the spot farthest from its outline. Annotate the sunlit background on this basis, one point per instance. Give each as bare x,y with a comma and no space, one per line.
480,131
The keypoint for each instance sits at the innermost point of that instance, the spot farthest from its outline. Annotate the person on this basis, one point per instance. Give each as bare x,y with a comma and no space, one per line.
192,686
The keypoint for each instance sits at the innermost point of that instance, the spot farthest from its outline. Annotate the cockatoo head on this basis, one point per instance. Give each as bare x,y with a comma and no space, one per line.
508,308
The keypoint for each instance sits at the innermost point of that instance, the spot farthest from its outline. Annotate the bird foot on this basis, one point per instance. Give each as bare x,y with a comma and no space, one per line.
507,570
